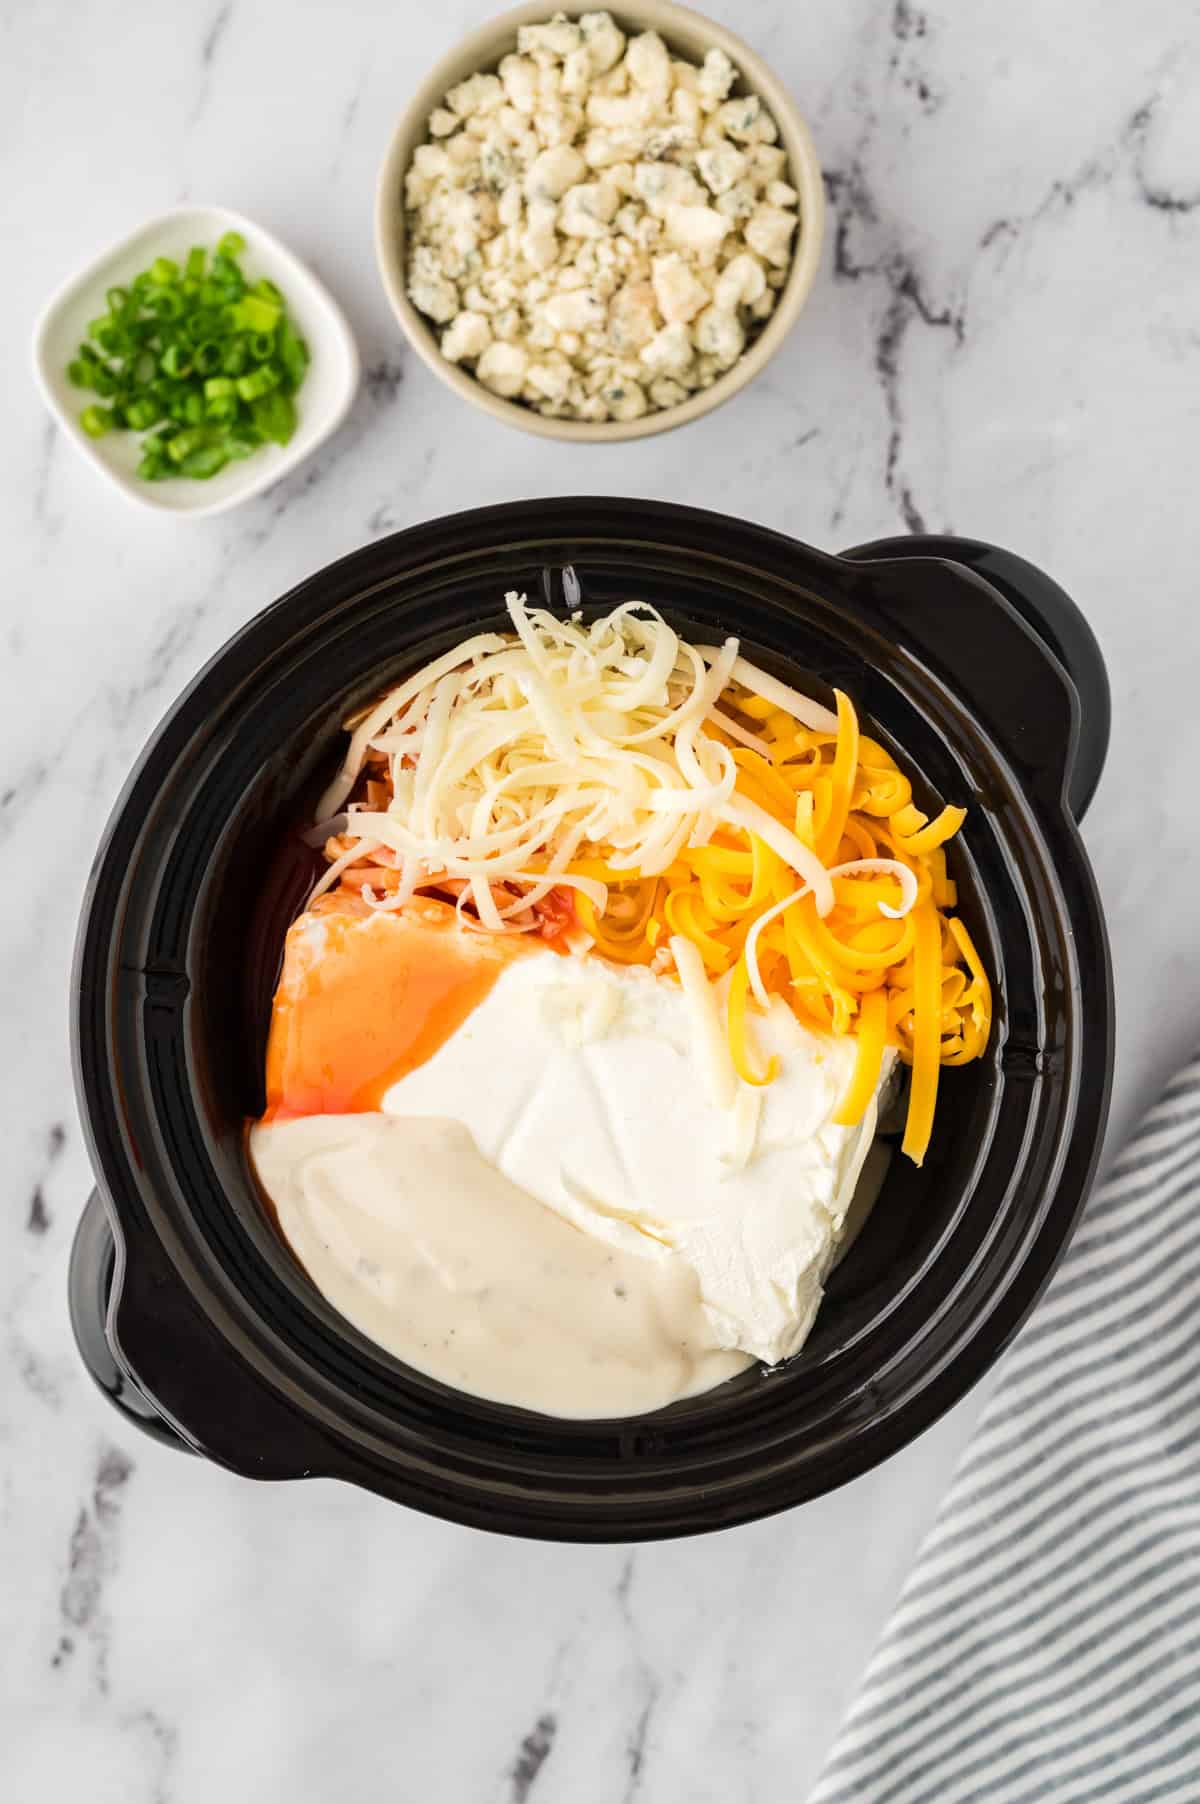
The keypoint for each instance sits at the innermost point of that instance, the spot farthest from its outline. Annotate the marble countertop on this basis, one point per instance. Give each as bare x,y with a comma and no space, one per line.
1003,342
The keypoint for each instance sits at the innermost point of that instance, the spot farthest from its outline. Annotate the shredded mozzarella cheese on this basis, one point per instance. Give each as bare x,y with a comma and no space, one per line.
511,756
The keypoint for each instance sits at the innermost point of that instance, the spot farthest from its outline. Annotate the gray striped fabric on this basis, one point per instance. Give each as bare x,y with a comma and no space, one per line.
1047,1643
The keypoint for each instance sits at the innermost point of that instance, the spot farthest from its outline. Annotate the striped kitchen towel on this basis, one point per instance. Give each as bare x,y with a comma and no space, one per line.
1047,1643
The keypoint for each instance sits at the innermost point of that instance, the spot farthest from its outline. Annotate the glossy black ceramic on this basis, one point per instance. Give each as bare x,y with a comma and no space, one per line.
980,674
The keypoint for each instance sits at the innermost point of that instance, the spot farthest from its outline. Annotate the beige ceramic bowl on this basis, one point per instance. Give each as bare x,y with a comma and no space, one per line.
689,35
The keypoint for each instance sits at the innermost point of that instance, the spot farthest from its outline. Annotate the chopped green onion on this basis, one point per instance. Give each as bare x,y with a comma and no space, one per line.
293,355
168,304
205,462
175,361
275,416
259,382
182,444
244,439
200,362
143,413
204,323
253,314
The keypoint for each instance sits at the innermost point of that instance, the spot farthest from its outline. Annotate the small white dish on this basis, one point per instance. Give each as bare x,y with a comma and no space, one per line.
687,34
322,402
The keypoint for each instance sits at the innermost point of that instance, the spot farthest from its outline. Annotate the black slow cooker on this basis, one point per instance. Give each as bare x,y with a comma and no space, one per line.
190,1312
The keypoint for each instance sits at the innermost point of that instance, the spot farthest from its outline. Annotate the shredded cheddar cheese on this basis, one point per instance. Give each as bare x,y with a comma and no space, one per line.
888,963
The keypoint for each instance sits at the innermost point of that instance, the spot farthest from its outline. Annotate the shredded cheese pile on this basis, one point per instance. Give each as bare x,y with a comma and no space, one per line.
705,817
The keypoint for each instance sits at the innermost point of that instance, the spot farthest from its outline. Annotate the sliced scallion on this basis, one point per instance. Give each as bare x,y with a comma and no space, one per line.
197,358
259,382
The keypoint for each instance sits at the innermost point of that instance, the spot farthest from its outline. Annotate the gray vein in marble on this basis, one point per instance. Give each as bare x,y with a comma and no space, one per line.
907,23
908,28
1059,197
34,1373
210,44
648,1685
91,1558
349,114
845,485
159,660
382,378
855,212
164,1739
112,1472
384,517
49,523
214,34
532,1756
867,247
905,305
1153,194
350,110
635,1747
38,1219
16,796
1131,148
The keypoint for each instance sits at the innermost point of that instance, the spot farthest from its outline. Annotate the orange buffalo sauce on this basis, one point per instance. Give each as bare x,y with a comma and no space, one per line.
365,997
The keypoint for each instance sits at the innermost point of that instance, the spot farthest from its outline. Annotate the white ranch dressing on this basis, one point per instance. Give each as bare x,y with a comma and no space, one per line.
546,1212
434,1254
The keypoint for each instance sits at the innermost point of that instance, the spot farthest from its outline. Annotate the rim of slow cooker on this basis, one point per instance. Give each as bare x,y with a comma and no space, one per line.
941,1341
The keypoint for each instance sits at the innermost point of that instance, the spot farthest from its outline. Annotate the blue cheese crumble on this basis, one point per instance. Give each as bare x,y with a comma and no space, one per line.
598,228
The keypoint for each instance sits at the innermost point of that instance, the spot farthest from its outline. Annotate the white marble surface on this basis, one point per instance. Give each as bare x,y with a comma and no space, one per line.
1003,341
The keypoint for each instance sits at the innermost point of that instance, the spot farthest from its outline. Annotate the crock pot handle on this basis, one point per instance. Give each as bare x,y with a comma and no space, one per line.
160,1362
1049,611
89,1286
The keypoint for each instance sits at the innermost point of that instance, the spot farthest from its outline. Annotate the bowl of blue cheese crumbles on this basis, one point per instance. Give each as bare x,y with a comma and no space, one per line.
599,225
